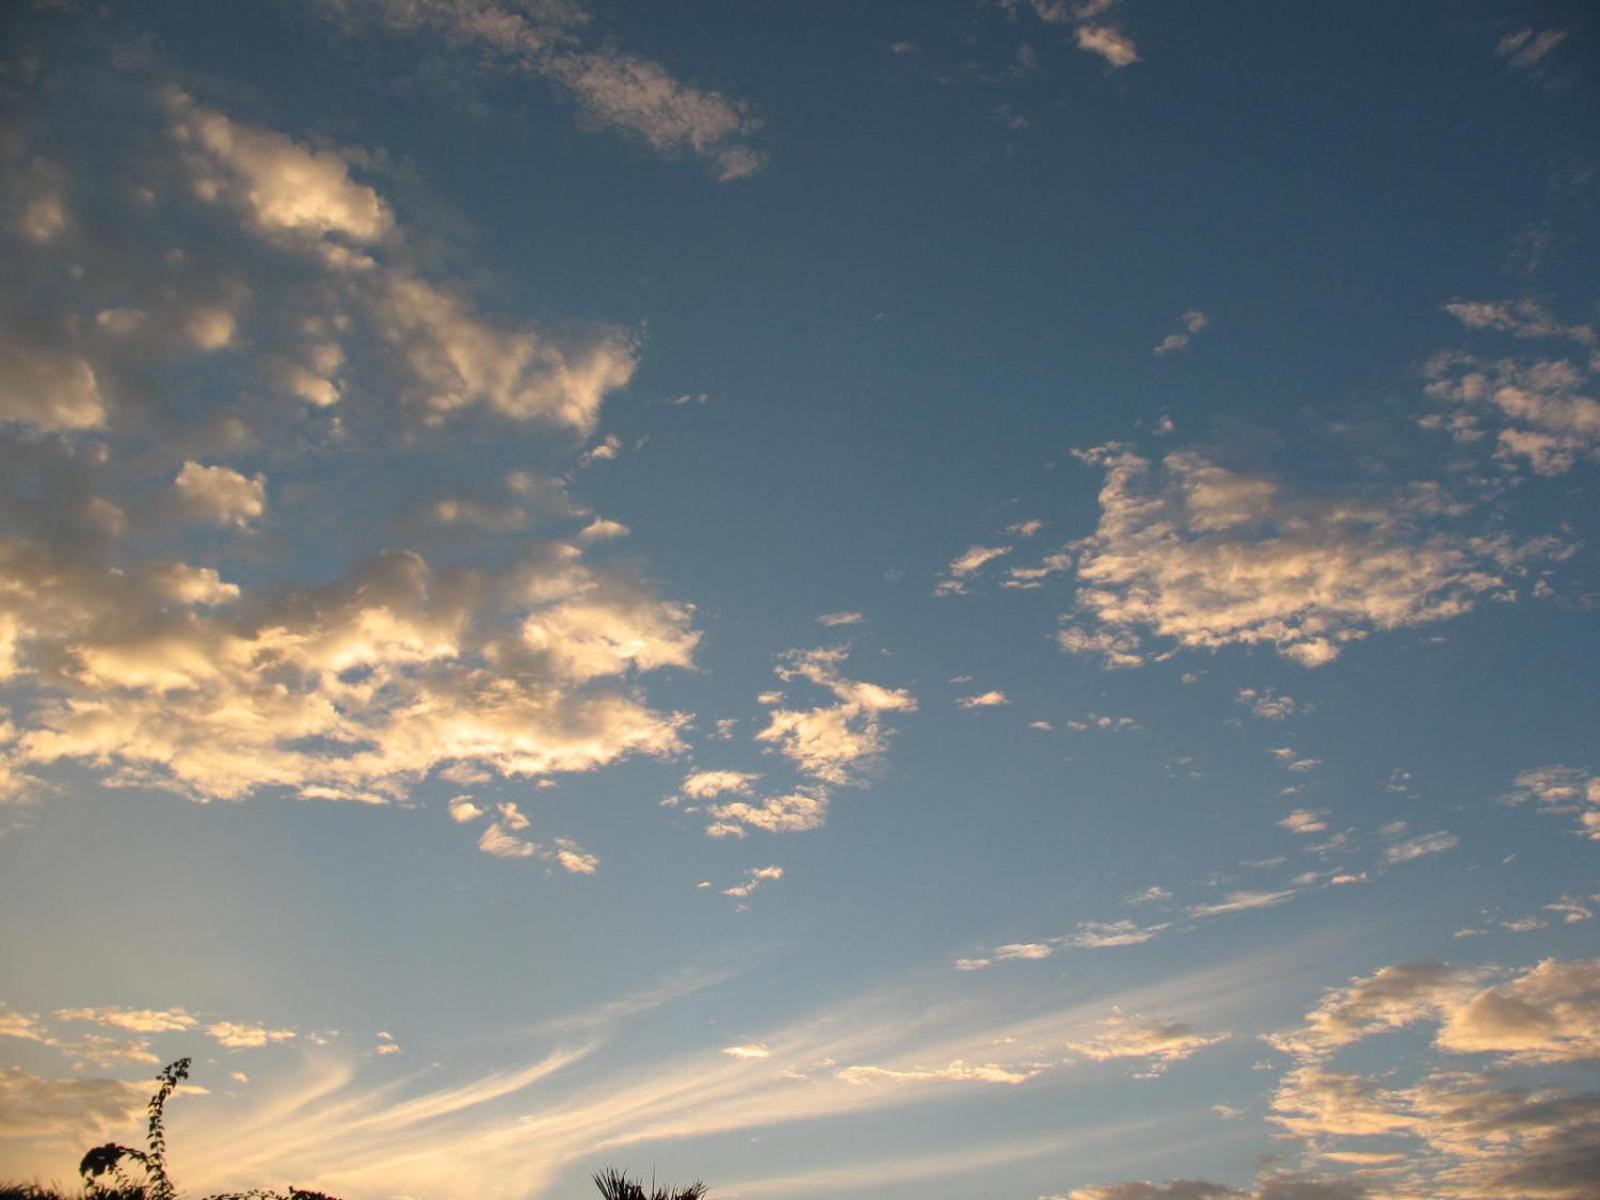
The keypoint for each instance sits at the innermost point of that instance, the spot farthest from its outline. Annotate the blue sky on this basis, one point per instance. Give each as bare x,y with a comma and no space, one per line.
914,599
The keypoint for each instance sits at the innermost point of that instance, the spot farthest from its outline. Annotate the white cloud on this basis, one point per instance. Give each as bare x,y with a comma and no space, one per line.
702,785
137,1020
796,812
754,878
1243,901
1420,847
833,743
1564,790
236,1036
750,1050
1206,556
1191,322
841,618
1159,1043
990,699
1110,43
462,810
221,495
1267,703
1305,820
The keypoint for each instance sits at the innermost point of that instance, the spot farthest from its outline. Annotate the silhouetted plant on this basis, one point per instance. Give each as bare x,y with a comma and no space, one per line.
104,1163
615,1185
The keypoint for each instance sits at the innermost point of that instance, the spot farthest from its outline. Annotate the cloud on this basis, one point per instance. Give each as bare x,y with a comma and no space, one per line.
748,1051
991,699
966,564
1539,411
137,1020
221,495
1192,322
797,812
1305,820
615,89
237,1036
1093,30
462,810
835,743
1159,1043
65,1110
754,878
1420,847
1266,703
1240,902
1206,556
702,785
1565,790
841,618
1525,48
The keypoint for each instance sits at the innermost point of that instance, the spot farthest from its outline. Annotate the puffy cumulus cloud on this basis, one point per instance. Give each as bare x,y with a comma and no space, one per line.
703,785
462,810
66,1110
1565,790
138,1020
1267,703
347,691
1159,1043
221,495
833,743
282,186
1205,556
47,388
1537,411
1549,1013
1393,998
236,1036
1455,1135
797,812
623,91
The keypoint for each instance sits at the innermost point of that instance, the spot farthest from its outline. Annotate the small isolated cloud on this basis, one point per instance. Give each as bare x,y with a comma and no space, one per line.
750,1050
1526,48
1025,529
754,878
1305,820
1242,901
966,564
841,618
795,812
990,699
1420,847
1190,324
463,809
1266,703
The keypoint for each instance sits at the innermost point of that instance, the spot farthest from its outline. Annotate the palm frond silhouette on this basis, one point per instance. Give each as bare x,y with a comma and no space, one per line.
616,1185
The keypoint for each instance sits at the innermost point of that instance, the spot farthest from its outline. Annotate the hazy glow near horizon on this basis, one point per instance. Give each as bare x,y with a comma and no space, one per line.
913,599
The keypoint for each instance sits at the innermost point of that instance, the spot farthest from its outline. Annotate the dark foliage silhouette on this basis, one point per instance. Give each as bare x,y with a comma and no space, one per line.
615,1185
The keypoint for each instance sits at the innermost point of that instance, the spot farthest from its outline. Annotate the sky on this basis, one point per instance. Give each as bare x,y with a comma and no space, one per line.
942,598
